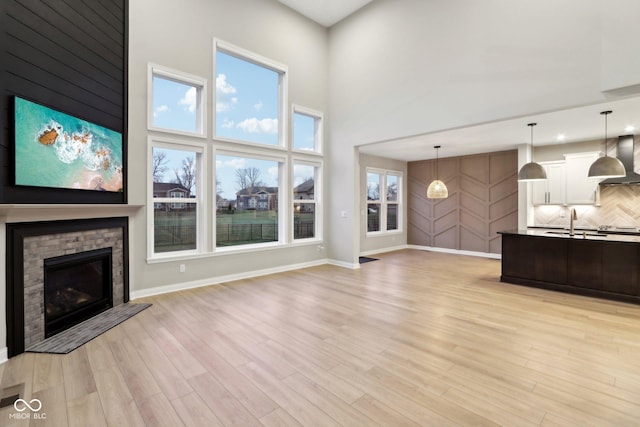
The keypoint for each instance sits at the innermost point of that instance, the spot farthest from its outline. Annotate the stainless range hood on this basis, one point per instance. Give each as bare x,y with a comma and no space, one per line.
625,154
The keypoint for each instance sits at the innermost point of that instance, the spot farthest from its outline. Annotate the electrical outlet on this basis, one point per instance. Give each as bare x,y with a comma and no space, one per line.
183,268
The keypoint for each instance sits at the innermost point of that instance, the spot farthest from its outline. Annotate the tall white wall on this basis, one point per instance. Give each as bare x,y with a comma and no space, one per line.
179,35
405,67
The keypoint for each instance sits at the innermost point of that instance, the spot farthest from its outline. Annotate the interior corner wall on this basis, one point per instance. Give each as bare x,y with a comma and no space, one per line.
483,199
179,36
379,243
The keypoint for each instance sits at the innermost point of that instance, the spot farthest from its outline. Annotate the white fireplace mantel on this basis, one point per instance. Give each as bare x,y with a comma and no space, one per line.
37,212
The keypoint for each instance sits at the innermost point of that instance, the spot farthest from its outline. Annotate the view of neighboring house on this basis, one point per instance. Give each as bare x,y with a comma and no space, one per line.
257,198
223,204
304,191
170,190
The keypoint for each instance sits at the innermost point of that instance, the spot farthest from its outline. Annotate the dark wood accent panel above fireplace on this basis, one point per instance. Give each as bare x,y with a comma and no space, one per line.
70,56
19,233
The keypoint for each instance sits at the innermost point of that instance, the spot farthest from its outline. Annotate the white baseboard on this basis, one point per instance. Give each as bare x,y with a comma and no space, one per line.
381,251
343,264
456,251
4,355
220,279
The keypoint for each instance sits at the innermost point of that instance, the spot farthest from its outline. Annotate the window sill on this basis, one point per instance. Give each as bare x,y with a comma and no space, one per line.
383,233
237,250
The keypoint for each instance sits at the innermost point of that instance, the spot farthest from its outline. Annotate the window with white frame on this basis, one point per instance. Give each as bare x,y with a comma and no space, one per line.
176,172
267,186
250,97
392,197
383,194
306,216
307,130
252,186
176,102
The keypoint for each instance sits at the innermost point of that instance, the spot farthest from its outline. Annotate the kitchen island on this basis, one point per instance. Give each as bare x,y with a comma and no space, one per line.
588,263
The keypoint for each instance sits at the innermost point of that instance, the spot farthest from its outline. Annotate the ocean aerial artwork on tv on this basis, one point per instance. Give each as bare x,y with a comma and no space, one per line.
54,149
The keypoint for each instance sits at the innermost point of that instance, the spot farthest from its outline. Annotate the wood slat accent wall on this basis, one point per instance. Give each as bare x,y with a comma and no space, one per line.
70,56
483,199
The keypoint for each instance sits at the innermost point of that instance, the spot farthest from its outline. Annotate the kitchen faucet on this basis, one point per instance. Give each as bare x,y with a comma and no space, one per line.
572,216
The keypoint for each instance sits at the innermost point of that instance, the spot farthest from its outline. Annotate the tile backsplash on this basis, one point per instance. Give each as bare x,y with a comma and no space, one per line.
619,206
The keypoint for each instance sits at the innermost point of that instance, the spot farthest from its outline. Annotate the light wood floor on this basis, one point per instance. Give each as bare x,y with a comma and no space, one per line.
414,339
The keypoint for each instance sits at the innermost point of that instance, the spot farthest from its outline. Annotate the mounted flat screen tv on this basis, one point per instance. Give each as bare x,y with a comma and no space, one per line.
54,149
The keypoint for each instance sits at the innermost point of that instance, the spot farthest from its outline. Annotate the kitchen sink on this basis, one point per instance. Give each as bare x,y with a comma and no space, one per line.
578,233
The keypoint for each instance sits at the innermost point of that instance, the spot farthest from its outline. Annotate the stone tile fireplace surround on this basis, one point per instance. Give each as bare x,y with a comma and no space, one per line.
30,243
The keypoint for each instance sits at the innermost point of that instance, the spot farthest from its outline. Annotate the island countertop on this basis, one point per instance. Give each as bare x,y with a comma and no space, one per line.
580,234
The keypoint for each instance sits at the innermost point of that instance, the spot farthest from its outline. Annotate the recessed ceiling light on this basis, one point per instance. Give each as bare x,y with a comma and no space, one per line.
629,128
561,137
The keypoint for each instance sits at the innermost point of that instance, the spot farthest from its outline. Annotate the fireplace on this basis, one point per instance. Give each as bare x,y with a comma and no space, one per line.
76,287
87,261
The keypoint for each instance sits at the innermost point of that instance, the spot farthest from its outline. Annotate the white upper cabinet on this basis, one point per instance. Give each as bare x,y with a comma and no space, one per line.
551,191
581,190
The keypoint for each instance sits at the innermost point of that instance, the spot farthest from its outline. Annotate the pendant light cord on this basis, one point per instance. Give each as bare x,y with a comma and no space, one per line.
436,147
531,125
605,114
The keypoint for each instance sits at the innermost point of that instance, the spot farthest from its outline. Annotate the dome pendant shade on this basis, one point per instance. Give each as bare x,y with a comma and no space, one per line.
532,171
607,167
437,190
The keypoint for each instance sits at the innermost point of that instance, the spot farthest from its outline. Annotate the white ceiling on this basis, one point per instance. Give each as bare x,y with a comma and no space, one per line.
325,12
577,124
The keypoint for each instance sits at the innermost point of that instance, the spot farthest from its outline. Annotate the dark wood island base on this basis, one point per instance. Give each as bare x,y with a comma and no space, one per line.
603,266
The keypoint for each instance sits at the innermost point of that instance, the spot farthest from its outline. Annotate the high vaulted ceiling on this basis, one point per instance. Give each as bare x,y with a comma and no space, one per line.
576,124
325,12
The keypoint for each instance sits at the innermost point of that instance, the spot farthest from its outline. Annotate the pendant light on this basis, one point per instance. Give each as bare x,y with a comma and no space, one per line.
532,171
437,189
606,167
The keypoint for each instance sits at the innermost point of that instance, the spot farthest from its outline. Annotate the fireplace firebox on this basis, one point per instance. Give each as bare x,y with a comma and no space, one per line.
76,287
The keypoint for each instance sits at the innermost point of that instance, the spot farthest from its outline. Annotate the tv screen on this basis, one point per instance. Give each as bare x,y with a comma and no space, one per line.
54,149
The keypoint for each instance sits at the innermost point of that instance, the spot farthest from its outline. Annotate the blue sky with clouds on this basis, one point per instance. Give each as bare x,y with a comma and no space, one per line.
246,109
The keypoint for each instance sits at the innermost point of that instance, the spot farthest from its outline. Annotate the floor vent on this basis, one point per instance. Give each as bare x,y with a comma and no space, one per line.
8,401
9,395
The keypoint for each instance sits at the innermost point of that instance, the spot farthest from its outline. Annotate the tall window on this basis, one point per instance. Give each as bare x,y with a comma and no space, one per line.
373,201
305,214
393,200
267,182
176,103
251,185
383,194
250,96
175,175
307,130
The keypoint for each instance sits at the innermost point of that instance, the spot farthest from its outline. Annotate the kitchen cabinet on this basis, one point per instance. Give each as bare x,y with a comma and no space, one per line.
580,189
552,191
596,266
567,182
620,267
585,264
